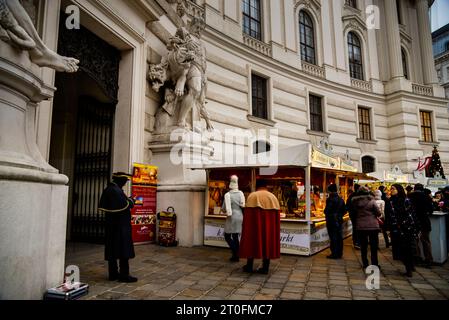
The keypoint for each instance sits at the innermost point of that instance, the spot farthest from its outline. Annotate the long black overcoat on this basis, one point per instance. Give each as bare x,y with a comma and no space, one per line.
118,231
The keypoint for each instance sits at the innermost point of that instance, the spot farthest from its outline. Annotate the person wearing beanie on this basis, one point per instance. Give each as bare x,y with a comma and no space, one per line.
233,204
367,212
118,231
334,212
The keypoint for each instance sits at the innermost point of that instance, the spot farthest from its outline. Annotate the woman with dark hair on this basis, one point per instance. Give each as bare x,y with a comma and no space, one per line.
402,222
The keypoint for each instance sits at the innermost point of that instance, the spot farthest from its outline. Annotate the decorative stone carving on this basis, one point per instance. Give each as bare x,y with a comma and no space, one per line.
17,28
100,60
183,72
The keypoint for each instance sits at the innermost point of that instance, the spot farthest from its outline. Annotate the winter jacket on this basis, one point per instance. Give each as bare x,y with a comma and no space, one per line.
423,207
401,219
367,212
334,211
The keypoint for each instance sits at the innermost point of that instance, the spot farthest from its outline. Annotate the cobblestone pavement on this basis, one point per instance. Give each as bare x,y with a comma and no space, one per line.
205,273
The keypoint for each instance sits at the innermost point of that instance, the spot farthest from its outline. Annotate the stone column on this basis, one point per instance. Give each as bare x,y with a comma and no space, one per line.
33,197
393,39
425,41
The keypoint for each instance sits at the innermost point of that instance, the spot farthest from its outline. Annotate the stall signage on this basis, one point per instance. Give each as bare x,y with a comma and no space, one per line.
396,177
322,160
295,239
347,167
144,191
437,182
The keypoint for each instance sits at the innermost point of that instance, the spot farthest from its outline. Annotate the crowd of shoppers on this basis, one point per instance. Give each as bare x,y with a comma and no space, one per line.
403,217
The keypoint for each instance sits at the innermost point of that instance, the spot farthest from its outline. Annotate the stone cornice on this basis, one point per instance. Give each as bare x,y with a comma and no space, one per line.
104,7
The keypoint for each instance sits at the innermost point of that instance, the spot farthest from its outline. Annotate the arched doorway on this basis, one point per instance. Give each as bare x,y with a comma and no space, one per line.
82,128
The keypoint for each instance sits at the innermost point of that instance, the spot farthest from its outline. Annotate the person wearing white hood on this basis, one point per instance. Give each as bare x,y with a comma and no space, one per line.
234,202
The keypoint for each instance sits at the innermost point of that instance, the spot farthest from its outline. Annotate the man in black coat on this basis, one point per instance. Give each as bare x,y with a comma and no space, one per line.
424,208
334,212
118,231
352,216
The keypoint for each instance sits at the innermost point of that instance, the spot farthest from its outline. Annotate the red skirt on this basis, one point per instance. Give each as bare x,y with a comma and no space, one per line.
261,234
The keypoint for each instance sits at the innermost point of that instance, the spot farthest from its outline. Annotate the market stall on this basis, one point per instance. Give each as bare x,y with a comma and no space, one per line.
300,183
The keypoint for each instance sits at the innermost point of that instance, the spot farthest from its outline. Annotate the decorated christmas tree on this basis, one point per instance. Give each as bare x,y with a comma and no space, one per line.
435,164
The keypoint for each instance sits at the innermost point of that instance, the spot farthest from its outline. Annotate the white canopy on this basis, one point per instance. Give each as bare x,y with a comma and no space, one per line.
299,155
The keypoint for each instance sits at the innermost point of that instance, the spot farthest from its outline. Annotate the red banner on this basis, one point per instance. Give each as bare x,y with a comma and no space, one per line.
143,215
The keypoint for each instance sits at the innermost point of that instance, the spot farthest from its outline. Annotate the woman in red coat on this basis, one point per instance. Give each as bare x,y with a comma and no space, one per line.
261,230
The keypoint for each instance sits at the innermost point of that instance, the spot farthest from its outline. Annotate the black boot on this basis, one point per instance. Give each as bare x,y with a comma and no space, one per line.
113,270
265,267
249,265
124,272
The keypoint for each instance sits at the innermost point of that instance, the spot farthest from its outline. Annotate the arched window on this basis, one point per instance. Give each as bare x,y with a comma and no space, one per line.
306,37
404,63
261,146
355,56
368,164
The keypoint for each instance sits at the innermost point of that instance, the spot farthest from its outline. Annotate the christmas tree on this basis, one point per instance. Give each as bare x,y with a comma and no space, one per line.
435,165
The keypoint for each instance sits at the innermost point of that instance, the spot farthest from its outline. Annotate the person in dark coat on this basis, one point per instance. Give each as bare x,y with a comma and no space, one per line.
422,204
334,212
352,216
118,232
367,212
403,225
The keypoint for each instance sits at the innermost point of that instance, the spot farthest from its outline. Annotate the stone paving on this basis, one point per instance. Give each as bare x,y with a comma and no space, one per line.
205,273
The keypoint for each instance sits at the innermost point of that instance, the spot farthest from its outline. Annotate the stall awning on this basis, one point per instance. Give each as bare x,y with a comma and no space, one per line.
299,156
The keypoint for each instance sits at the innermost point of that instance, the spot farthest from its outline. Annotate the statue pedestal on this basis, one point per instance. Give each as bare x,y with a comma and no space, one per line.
33,197
181,187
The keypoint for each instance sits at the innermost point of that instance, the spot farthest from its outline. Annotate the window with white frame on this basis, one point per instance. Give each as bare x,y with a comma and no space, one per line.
355,56
426,126
364,123
252,18
316,113
307,37
259,96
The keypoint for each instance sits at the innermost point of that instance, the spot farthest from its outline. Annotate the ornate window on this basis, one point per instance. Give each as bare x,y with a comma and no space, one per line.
404,63
355,56
364,124
351,3
261,146
259,96
426,126
368,164
252,18
306,37
316,113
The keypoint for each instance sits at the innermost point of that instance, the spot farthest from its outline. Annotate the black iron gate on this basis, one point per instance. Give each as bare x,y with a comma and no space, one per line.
92,168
